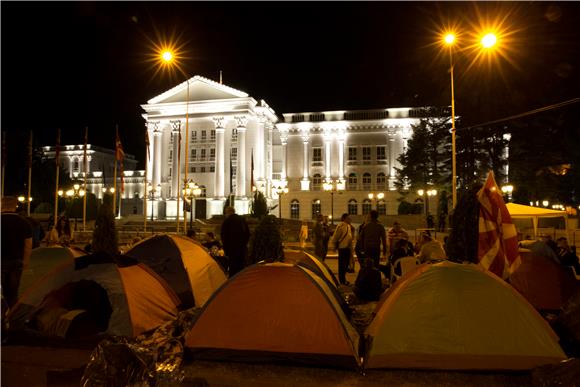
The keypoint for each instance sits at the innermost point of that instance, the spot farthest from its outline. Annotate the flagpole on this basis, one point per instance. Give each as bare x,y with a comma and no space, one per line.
186,157
29,172
145,193
115,176
57,160
3,160
85,182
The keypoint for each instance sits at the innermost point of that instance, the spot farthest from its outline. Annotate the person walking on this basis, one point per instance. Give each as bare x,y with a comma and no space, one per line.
343,240
235,235
16,248
373,236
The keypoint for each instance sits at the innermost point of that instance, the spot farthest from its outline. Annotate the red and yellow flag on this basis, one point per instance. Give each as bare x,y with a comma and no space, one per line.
498,240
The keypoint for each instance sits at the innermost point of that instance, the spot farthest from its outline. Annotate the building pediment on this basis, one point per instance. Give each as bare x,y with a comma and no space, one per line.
200,89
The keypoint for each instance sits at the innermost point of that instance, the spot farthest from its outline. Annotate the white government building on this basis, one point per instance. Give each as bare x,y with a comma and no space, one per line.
356,151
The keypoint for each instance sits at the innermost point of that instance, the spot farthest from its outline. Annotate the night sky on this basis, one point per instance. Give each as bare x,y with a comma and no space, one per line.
76,64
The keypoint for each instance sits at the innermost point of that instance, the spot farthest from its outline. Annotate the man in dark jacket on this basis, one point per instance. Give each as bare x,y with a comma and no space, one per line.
369,284
235,235
372,237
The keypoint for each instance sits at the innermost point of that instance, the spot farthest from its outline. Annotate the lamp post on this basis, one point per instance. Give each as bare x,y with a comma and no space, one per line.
280,190
71,194
428,194
376,197
22,199
152,191
507,191
332,186
191,191
487,42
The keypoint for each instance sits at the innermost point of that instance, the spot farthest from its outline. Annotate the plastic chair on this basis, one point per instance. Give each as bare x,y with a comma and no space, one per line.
405,265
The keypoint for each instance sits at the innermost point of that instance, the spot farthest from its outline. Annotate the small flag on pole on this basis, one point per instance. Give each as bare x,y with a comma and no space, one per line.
498,240
120,155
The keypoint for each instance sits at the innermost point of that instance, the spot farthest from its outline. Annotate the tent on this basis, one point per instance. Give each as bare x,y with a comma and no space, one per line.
275,312
543,282
309,261
184,264
43,259
519,211
118,300
457,317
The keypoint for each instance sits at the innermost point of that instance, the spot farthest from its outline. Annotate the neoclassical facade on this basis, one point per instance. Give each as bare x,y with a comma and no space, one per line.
235,143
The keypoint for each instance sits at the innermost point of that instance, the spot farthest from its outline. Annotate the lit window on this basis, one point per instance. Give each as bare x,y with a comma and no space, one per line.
316,182
351,153
352,207
316,208
366,180
295,209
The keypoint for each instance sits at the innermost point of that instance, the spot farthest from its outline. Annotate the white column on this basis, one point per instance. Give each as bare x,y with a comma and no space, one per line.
259,159
241,169
219,157
507,138
305,183
151,127
175,132
327,161
89,158
391,150
284,140
157,157
341,158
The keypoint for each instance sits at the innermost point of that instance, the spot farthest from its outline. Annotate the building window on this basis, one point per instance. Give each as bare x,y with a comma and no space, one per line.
351,153
203,135
202,156
212,168
366,206
381,153
212,154
202,169
194,154
381,181
382,207
170,155
193,169
212,135
316,154
366,153
294,209
170,171
352,181
194,136
366,180
316,208
316,182
352,207
234,154
234,135
76,165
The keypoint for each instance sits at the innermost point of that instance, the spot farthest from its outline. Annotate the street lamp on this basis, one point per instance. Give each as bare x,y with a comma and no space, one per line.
280,190
22,199
428,193
151,189
332,186
71,194
377,197
507,190
487,41
191,191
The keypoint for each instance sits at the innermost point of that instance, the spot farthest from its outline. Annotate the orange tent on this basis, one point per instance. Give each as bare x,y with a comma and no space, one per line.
545,284
309,261
271,312
458,316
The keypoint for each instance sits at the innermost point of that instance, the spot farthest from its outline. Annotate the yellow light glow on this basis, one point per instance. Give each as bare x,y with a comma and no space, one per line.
21,199
420,192
167,56
449,39
489,40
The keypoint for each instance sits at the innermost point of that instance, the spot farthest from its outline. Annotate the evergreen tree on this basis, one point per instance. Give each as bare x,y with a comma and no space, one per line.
105,236
266,242
259,205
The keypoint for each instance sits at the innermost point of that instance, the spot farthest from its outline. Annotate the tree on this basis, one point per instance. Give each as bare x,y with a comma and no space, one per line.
266,242
105,236
259,205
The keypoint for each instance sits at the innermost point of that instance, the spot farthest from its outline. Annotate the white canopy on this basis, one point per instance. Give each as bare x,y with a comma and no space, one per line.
519,211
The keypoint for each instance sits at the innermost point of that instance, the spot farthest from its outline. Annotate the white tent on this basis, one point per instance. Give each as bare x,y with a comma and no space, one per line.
519,211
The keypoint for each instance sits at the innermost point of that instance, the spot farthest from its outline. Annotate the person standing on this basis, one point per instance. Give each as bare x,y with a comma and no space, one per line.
373,236
343,239
303,235
321,236
16,248
235,235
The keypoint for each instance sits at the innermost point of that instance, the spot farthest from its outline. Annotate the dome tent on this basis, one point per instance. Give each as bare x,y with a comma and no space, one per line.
123,300
309,261
457,316
184,264
275,312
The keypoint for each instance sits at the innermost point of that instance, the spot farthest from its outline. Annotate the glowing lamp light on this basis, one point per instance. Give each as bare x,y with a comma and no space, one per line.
21,199
420,192
167,56
449,39
545,203
489,40
380,195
